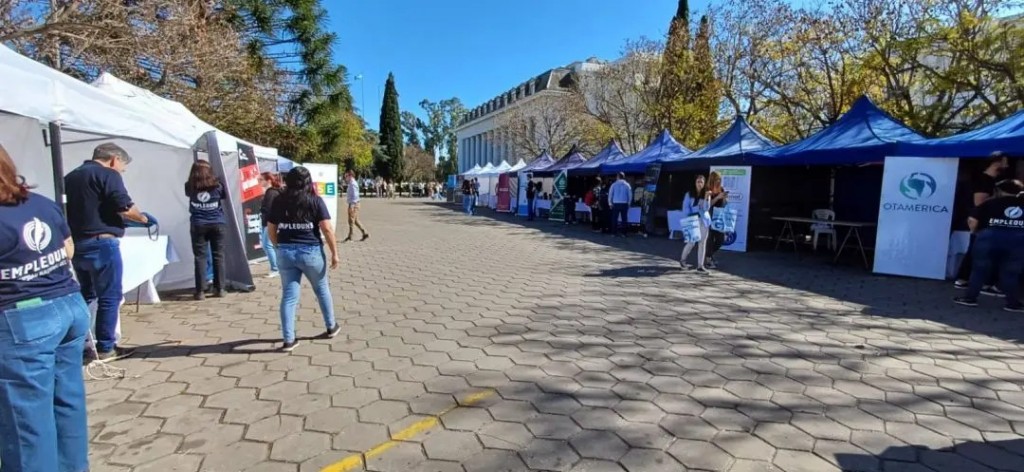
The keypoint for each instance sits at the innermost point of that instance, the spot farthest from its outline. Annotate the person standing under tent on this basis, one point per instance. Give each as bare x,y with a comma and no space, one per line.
593,200
620,195
299,225
476,192
98,206
998,224
205,194
467,197
271,183
982,189
352,197
696,202
42,403
719,199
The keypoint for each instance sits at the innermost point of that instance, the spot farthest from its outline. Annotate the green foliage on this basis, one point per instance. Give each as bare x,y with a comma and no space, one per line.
391,133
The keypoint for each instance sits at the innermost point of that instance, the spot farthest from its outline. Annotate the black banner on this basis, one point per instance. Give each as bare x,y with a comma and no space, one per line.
252,199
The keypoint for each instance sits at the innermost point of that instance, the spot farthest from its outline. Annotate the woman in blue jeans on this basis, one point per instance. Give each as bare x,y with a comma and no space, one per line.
297,220
43,324
271,189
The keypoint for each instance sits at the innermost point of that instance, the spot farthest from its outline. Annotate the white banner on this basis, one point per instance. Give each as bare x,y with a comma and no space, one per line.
523,207
325,177
736,180
914,218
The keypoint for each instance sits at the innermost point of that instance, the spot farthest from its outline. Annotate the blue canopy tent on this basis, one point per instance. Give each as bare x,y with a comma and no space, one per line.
542,161
662,148
1006,136
737,141
865,134
610,154
572,159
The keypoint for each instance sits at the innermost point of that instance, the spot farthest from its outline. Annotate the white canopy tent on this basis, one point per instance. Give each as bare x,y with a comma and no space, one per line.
519,165
474,171
79,118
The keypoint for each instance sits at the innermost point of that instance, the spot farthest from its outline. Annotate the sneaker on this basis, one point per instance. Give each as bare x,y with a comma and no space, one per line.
965,301
289,347
992,291
117,354
273,275
961,284
703,271
365,237
711,264
218,293
685,266
199,296
1014,308
331,333
347,240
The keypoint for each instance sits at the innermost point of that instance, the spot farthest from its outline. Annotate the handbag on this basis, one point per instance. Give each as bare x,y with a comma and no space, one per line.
724,219
690,227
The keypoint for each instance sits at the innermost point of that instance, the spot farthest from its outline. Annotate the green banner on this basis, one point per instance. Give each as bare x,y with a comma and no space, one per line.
558,197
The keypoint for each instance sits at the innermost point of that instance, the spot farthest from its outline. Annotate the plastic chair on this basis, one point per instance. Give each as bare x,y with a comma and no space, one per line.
823,228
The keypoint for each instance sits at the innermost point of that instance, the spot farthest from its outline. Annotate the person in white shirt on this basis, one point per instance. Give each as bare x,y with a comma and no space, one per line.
353,208
619,197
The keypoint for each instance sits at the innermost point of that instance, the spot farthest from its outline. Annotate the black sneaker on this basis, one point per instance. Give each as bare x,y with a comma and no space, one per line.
365,237
333,331
117,354
961,284
347,240
289,347
199,296
1014,308
992,291
218,293
965,301
703,271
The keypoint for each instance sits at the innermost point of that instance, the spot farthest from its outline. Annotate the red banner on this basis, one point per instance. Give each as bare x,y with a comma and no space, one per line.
251,188
504,194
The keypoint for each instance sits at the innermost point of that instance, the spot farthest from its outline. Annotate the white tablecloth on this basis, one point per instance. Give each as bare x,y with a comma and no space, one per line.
541,204
144,259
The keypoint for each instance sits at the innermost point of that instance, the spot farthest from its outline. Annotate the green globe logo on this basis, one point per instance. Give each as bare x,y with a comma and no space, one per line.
918,186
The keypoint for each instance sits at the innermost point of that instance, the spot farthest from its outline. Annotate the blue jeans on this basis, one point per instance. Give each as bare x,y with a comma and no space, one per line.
99,268
268,247
620,217
467,204
297,260
998,251
531,208
209,263
42,393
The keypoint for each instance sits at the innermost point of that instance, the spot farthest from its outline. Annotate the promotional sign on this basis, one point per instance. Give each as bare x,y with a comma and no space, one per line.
524,205
651,177
451,188
325,178
504,194
558,197
736,181
252,199
915,215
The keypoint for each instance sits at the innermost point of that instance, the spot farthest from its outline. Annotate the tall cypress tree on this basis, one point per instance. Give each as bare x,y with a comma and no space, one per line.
391,131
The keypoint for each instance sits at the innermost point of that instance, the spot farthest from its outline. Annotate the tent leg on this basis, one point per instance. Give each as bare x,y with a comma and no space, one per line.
57,160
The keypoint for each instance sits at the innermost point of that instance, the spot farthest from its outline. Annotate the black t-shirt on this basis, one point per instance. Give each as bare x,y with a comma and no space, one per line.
1002,213
33,262
205,207
467,187
983,183
96,198
268,203
291,229
531,191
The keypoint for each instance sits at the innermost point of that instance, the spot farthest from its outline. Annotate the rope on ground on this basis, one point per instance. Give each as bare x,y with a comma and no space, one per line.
105,370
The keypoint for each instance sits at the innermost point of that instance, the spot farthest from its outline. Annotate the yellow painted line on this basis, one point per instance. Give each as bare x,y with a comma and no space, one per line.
356,461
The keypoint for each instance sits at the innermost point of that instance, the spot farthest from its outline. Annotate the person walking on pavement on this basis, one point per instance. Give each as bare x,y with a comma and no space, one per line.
353,208
999,226
593,200
205,194
467,197
983,188
299,226
43,422
697,202
271,183
619,197
531,198
98,206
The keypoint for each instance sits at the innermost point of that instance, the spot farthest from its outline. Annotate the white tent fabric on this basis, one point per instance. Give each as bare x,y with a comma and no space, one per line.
519,165
186,122
474,171
500,169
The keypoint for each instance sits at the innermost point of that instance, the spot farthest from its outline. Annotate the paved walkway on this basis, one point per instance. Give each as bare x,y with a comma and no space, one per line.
480,344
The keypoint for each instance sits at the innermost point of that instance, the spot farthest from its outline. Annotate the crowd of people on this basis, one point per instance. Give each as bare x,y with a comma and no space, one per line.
383,188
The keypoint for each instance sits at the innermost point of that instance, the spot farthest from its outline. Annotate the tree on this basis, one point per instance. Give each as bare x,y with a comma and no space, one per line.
419,163
391,132
411,126
551,122
614,94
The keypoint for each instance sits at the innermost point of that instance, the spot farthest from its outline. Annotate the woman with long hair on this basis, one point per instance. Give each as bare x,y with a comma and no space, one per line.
696,202
719,198
42,336
299,224
271,183
206,194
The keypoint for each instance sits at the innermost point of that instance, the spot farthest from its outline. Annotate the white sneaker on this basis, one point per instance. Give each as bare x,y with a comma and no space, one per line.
273,275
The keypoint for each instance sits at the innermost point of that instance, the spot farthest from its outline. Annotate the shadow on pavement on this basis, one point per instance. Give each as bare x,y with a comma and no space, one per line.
973,455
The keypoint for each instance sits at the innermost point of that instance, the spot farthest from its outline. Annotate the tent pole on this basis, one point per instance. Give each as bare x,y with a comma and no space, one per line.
57,160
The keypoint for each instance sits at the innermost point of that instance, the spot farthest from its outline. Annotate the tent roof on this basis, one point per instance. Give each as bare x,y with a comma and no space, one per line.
611,153
474,171
36,91
739,139
572,159
499,169
541,162
170,111
519,165
1006,136
864,134
663,147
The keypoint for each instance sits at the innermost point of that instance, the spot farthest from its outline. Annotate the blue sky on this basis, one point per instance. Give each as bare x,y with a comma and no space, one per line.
475,49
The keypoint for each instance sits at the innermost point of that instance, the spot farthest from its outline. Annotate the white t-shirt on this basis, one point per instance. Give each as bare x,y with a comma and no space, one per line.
353,192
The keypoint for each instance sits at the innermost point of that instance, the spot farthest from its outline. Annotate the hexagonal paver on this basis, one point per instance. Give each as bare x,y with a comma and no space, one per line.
547,454
273,428
743,445
599,445
383,412
799,461
241,455
646,460
503,435
642,412
648,436
784,436
212,439
552,426
360,437
145,449
466,419
700,455
493,460
298,447
451,445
